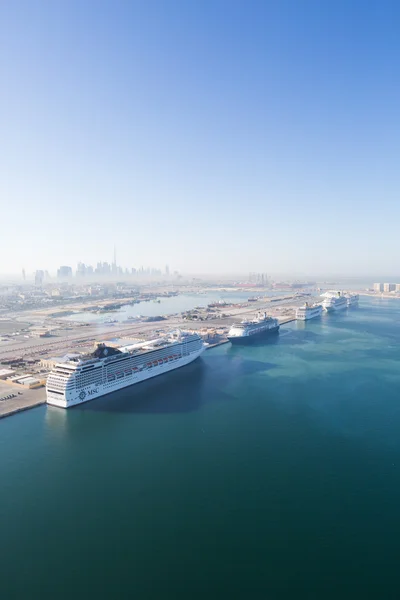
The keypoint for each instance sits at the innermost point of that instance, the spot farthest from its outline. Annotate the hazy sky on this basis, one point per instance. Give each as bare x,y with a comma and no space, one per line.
212,136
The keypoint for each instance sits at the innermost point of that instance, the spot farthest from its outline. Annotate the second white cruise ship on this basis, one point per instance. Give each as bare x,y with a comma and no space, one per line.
334,301
352,299
248,330
109,369
306,312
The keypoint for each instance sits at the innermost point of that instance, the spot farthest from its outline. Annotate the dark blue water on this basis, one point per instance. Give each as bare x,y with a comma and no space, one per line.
270,471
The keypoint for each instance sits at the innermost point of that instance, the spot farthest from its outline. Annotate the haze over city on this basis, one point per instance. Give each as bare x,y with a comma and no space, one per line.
199,299
217,137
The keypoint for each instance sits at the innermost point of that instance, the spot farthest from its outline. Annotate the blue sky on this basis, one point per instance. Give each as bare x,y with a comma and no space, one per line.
215,136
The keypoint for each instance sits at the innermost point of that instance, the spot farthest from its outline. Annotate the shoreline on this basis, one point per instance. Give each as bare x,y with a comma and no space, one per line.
13,410
17,409
379,295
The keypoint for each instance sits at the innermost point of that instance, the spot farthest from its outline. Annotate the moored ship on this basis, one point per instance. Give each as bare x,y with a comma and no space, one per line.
352,299
306,312
334,300
110,369
248,330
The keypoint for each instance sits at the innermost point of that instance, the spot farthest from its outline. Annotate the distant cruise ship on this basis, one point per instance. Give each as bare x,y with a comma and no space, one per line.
248,330
306,312
110,369
352,299
334,300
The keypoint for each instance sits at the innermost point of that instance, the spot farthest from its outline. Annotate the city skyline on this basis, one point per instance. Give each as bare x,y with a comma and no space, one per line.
101,270
216,137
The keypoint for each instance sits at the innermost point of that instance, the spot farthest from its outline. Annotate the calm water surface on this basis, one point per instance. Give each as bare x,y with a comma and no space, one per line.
270,471
168,306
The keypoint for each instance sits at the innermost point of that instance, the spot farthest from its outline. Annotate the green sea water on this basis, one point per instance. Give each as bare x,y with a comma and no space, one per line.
265,471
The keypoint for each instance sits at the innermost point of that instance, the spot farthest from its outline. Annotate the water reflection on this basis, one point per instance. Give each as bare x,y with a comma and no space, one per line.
177,391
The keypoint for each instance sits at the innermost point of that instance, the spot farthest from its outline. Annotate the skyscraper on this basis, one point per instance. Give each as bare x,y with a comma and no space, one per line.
39,276
81,270
114,268
64,272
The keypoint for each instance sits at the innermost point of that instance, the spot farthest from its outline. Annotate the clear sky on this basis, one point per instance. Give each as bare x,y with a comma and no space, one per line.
215,136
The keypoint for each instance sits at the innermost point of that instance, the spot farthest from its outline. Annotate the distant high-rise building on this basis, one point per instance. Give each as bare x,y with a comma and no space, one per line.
39,276
378,287
114,269
23,274
89,270
389,287
64,272
167,270
81,270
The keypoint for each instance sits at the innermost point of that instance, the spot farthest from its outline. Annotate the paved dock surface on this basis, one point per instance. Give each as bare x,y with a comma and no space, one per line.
80,338
23,401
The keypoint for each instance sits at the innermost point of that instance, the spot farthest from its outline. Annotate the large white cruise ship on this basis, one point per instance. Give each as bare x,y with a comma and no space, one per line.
248,330
109,369
334,300
306,312
352,299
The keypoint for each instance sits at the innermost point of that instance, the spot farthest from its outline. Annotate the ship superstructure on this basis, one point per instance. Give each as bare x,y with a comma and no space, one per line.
249,329
334,300
352,299
109,369
308,311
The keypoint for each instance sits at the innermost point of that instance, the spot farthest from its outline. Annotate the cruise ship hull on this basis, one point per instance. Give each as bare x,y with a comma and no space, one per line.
249,338
74,397
353,301
335,307
306,315
309,317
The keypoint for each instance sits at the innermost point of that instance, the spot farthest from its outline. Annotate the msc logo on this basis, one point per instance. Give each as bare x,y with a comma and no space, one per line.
91,392
82,395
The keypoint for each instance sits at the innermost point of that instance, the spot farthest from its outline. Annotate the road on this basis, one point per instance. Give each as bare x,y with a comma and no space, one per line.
81,336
